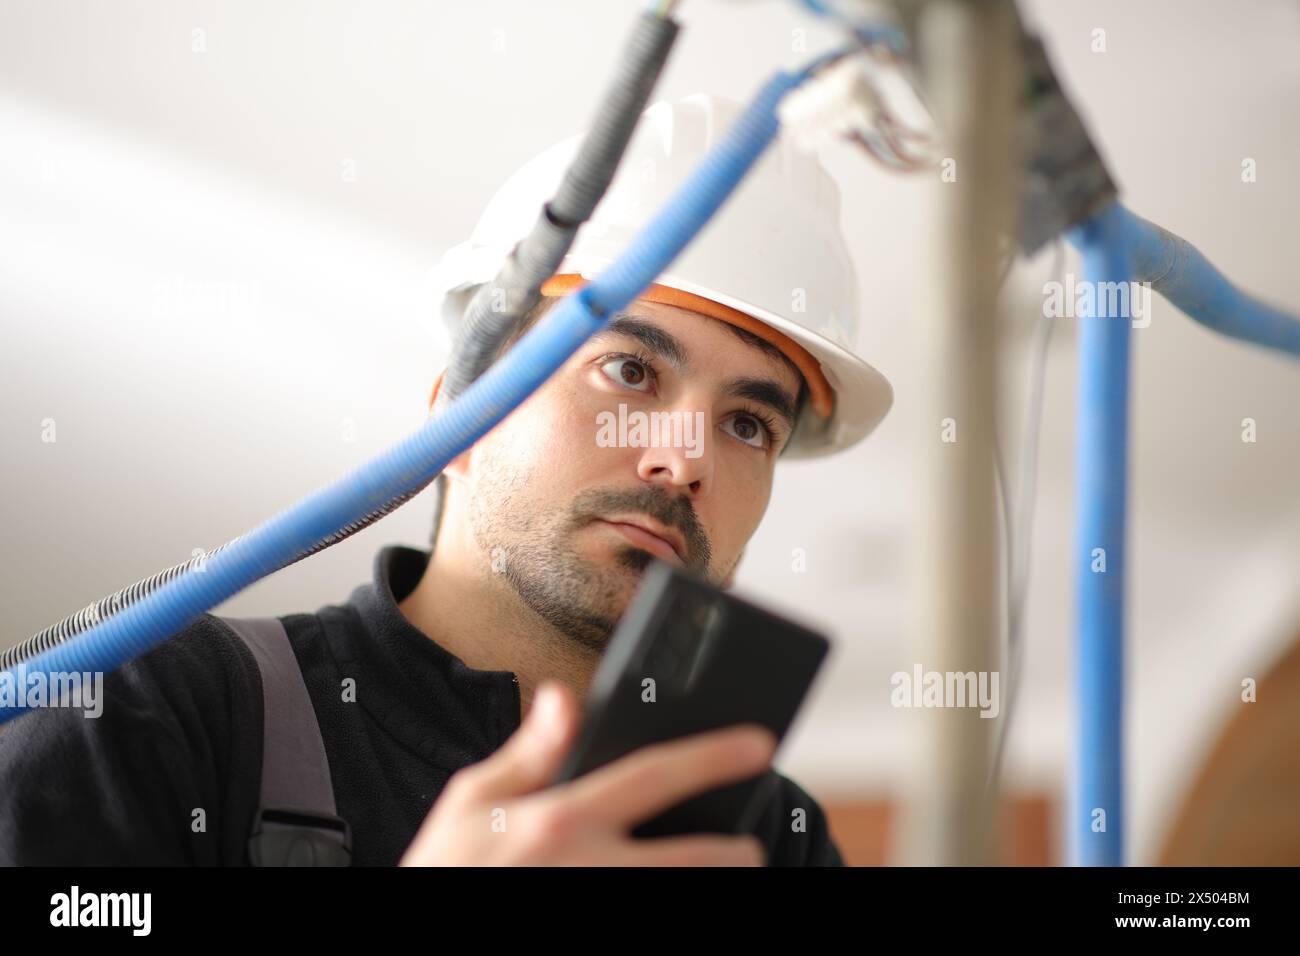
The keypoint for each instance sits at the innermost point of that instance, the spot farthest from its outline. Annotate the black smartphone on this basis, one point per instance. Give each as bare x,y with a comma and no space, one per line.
687,658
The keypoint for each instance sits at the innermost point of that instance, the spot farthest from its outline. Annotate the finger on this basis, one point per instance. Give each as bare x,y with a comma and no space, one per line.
654,778
703,849
531,758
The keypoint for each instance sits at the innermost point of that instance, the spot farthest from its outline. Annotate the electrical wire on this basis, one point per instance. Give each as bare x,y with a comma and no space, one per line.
883,142
869,30
1017,524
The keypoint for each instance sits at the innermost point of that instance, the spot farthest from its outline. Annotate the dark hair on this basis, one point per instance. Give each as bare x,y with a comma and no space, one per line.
530,319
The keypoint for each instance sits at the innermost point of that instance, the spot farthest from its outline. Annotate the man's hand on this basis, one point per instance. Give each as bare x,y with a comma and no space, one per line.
501,811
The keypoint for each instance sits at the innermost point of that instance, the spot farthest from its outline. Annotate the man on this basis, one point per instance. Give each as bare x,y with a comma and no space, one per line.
542,542
422,680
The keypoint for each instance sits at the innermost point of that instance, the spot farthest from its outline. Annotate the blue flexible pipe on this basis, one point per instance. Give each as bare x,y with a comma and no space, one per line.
1101,474
1177,270
415,461
1119,246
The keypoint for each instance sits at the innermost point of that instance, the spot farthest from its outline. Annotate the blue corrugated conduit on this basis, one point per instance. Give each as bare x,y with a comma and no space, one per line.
415,461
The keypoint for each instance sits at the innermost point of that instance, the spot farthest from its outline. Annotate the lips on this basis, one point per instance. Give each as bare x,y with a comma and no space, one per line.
646,540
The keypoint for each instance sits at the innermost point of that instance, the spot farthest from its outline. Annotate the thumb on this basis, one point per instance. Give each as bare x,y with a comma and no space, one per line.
532,756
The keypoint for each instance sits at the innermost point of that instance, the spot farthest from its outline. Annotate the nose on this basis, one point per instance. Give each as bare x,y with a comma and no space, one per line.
682,455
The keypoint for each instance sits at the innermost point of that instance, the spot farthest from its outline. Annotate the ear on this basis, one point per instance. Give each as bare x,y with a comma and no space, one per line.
458,467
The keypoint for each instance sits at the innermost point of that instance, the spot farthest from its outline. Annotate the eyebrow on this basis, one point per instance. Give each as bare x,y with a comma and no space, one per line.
767,391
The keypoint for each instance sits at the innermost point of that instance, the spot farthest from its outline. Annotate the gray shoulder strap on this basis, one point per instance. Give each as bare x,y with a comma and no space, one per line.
297,793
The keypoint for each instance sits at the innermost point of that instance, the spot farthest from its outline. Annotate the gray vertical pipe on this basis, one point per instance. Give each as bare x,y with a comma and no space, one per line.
969,63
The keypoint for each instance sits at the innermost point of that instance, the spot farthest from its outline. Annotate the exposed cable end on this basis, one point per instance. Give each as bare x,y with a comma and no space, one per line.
839,102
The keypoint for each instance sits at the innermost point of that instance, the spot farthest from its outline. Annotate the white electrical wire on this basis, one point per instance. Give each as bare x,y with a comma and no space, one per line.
1017,525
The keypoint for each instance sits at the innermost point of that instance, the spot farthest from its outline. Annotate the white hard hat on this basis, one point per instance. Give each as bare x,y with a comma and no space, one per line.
774,253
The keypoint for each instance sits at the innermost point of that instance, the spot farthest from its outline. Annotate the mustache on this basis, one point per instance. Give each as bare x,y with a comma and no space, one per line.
672,511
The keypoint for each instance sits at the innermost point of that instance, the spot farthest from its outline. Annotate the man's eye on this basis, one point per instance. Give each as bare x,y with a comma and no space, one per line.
628,371
748,429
